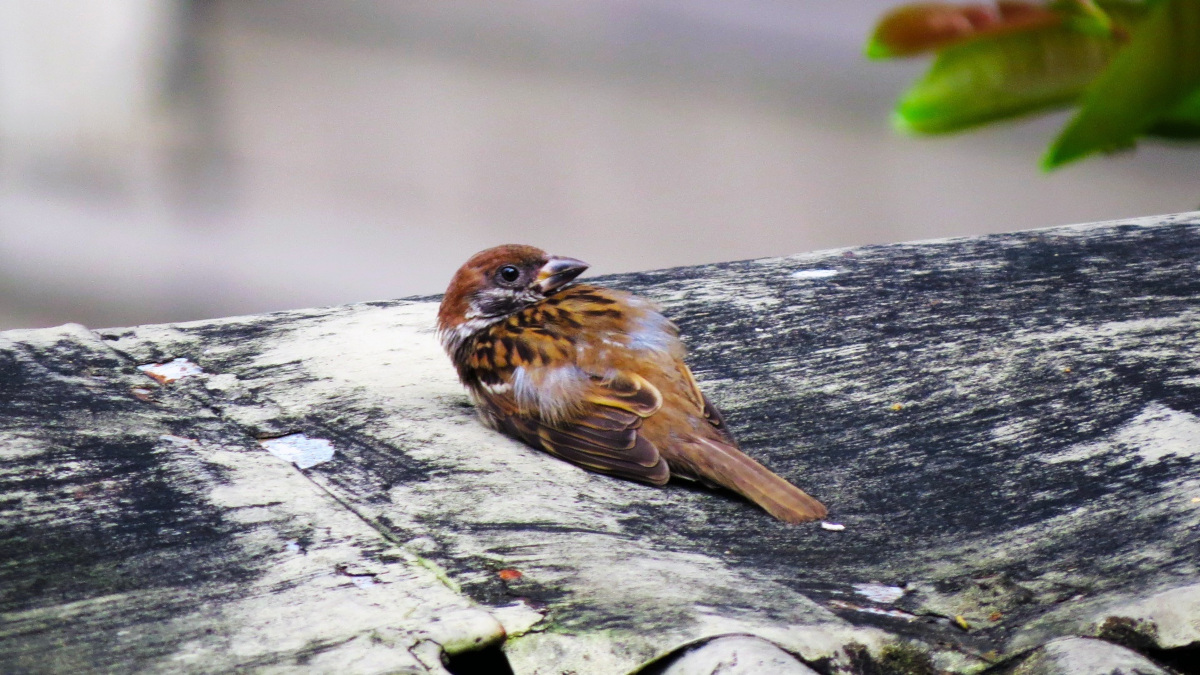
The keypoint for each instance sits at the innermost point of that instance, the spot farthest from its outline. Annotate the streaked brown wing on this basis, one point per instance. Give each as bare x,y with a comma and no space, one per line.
715,418
711,413
626,391
605,436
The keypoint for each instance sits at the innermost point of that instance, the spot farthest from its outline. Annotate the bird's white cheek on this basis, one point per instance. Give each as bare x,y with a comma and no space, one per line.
452,338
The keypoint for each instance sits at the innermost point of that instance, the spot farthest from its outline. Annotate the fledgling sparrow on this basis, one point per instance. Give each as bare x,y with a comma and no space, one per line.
594,376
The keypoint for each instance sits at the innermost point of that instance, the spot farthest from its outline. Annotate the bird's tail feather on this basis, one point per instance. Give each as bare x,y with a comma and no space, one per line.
729,467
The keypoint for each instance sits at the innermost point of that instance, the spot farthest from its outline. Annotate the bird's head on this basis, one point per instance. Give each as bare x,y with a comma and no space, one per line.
497,283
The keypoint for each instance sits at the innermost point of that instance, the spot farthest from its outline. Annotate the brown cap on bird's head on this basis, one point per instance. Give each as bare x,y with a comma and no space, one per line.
499,281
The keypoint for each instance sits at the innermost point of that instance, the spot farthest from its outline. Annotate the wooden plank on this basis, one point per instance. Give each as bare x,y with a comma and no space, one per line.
1007,428
140,531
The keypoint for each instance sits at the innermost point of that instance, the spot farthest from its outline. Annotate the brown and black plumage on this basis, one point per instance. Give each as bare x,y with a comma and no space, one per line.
594,376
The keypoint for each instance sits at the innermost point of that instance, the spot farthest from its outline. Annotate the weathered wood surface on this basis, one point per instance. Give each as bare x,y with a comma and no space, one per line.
1008,427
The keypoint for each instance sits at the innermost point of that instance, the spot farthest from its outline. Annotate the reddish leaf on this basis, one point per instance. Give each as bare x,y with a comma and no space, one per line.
922,27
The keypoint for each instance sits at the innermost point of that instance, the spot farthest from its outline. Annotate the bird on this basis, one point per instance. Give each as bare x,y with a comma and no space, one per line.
594,376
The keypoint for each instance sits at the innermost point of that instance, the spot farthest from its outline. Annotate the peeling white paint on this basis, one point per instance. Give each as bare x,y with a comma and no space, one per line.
879,592
894,613
167,373
832,527
814,274
299,449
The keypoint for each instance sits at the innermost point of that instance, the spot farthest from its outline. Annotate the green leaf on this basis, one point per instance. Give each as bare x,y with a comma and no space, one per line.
1085,16
1182,123
1152,75
1005,76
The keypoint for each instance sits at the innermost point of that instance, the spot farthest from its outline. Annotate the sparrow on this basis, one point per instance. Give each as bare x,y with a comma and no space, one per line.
594,376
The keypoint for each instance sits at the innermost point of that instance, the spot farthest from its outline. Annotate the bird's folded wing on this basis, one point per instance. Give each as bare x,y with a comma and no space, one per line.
705,406
604,436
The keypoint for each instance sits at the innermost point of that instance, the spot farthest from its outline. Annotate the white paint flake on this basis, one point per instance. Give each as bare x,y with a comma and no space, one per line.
894,613
172,370
832,527
299,449
880,593
814,274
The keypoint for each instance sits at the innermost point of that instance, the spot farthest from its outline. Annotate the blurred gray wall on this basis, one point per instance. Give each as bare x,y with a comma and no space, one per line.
166,160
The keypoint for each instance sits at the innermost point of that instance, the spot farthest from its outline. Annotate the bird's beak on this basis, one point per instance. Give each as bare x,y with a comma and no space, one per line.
558,272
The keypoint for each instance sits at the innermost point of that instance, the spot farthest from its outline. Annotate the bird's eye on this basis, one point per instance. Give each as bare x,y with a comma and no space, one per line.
508,274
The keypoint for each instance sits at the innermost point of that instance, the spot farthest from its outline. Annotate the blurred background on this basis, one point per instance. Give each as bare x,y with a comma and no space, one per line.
165,160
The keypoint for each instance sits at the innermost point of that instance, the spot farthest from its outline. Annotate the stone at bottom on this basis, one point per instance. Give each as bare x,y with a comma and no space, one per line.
1086,656
736,655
